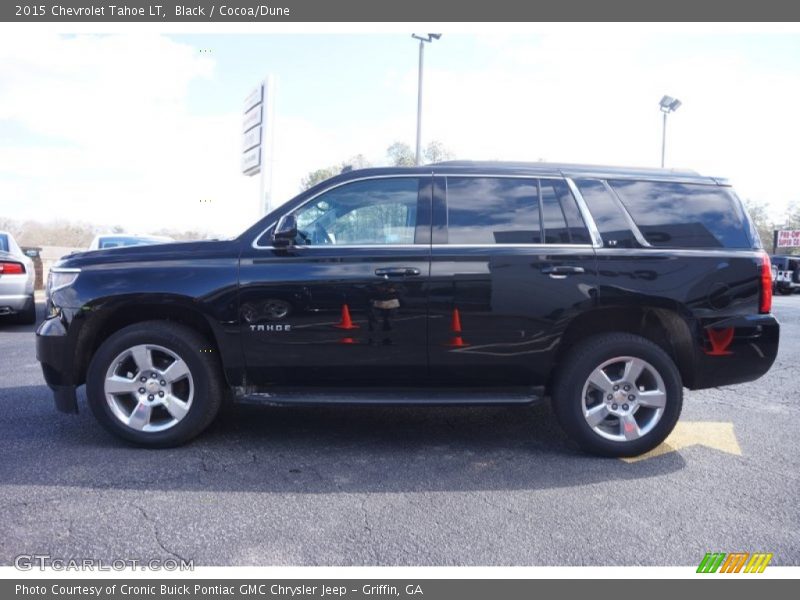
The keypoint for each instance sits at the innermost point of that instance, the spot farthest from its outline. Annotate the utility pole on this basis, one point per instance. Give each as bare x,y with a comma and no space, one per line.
423,39
667,105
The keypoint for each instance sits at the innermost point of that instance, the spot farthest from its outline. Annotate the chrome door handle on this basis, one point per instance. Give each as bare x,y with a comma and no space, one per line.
387,272
561,272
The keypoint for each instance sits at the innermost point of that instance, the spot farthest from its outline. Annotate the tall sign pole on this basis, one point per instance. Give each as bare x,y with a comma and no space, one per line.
258,140
423,39
418,153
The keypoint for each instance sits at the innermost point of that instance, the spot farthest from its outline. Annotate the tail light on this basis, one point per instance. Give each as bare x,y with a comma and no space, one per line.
11,268
765,305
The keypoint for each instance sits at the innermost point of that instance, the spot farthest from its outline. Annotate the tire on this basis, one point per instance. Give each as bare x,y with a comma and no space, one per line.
177,404
27,316
615,434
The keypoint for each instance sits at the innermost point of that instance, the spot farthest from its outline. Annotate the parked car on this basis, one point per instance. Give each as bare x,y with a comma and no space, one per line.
606,289
787,273
17,278
116,240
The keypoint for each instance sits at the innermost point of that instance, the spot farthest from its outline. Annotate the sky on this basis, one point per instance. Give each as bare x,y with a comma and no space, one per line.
143,130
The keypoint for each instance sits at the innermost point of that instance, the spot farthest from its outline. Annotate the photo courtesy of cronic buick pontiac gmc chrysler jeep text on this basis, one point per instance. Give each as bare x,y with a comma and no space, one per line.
606,289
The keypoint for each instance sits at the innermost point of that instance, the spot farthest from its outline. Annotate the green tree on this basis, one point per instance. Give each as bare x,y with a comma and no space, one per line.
400,155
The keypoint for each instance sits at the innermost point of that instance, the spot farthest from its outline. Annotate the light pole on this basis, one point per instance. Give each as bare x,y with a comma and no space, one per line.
423,39
667,105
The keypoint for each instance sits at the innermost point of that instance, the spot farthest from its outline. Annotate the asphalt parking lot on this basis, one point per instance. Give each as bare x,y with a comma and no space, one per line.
402,486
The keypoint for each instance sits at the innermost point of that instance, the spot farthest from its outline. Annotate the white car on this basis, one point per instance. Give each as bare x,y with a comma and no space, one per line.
116,240
17,278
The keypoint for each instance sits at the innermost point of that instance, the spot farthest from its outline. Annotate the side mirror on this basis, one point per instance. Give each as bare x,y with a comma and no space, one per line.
285,231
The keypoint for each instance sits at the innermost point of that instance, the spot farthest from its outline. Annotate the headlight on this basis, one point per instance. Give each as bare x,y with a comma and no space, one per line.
61,277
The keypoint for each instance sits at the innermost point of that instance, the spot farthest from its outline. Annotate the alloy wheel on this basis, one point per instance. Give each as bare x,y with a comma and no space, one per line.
149,388
623,399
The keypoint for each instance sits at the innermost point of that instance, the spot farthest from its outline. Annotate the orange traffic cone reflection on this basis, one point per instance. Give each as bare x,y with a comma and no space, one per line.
720,340
455,327
346,322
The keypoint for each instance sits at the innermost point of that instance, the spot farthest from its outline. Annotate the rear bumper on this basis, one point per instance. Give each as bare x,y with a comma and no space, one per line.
15,302
53,353
735,350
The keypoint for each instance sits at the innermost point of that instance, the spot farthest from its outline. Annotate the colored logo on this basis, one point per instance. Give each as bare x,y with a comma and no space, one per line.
735,562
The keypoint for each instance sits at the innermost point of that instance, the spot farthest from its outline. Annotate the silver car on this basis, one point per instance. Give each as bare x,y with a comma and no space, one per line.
17,278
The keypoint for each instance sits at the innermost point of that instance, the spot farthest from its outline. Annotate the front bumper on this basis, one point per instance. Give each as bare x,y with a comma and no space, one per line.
53,353
736,350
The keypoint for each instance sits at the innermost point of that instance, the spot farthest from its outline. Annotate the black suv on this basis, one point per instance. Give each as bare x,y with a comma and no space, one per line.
607,289
786,271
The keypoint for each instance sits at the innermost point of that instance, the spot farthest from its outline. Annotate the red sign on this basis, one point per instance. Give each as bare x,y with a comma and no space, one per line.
789,238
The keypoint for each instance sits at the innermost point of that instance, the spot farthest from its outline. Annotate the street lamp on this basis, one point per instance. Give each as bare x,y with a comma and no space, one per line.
423,39
667,105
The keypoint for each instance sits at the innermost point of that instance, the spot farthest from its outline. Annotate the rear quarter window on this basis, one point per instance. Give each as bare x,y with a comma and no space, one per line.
685,215
607,214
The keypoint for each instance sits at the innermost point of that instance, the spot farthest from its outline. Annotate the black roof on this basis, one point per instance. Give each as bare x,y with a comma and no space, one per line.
546,169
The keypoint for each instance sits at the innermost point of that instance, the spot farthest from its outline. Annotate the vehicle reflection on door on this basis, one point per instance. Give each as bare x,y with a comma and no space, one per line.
384,306
335,317
511,309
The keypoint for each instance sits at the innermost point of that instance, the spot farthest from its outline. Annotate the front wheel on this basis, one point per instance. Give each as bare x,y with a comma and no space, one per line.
618,395
155,384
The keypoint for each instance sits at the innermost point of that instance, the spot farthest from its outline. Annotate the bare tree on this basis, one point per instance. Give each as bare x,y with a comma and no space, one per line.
358,161
400,155
762,222
436,152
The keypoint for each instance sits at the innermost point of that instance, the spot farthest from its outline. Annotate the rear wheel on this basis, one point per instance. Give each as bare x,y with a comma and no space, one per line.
618,395
152,384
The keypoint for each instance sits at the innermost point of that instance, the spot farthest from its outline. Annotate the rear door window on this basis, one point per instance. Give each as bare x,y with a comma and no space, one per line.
562,220
506,210
684,215
493,210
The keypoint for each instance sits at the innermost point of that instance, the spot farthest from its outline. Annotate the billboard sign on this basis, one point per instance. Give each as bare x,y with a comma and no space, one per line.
251,139
252,118
258,134
251,131
789,238
251,161
254,98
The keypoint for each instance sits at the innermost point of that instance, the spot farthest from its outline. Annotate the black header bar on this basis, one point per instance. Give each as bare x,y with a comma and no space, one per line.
131,11
389,589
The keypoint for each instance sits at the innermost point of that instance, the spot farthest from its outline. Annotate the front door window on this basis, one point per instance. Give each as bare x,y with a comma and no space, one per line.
377,212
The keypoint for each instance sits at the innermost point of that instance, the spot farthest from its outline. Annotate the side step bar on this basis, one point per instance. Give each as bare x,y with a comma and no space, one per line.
318,396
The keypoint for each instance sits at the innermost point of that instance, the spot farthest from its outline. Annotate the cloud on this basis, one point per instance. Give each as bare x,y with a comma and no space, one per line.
117,141
101,128
594,99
